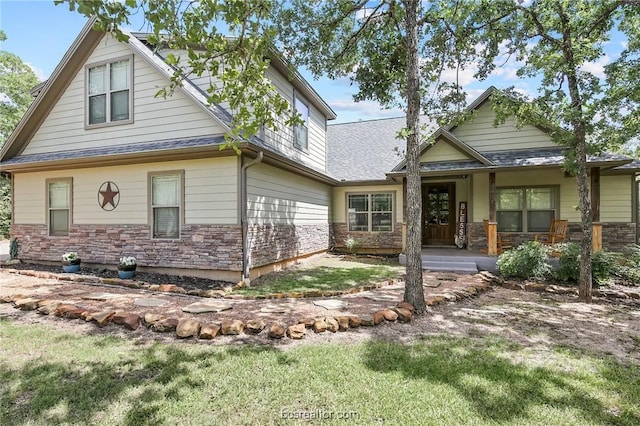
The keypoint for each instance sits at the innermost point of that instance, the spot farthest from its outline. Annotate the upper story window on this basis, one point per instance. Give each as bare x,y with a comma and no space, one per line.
59,206
109,94
166,204
301,131
526,209
371,212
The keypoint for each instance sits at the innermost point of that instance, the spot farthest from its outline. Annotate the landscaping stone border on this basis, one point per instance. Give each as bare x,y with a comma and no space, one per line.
184,328
557,289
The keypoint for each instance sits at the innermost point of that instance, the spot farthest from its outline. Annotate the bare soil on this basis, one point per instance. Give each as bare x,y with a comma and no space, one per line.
530,319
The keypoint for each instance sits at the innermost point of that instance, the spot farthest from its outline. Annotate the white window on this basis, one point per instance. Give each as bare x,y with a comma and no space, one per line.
526,209
370,212
109,93
59,207
301,131
166,204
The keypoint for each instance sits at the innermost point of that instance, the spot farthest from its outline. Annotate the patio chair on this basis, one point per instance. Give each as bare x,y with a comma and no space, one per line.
503,242
557,233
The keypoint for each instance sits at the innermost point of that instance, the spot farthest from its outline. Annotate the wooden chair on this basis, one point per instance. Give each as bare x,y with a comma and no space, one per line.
503,240
557,233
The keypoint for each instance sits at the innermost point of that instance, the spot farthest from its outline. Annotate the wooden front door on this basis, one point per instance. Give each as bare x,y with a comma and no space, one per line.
438,213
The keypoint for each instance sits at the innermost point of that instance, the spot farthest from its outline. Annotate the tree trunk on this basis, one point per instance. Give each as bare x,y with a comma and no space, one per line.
413,292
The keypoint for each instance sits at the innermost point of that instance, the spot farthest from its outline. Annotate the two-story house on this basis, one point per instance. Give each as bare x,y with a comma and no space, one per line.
103,167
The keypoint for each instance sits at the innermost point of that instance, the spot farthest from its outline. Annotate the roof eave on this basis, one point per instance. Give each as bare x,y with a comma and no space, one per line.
72,61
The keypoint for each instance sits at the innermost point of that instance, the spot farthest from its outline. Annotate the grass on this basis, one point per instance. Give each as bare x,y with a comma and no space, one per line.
52,377
328,273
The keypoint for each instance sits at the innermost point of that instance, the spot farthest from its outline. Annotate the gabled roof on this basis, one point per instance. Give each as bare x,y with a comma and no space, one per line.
48,92
455,142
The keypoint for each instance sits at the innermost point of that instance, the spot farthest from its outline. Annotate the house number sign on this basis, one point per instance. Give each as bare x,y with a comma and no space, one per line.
108,196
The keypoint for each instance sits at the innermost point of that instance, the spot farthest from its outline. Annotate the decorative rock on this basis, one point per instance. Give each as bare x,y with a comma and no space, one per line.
332,324
187,328
151,318
319,326
331,303
389,315
276,309
62,308
119,317
377,318
437,300
87,315
532,287
11,298
132,321
48,309
406,305
102,296
633,294
211,293
231,327
74,313
209,331
167,287
307,321
103,318
450,297
28,304
207,306
276,331
404,315
366,320
254,326
165,325
297,332
343,323
354,321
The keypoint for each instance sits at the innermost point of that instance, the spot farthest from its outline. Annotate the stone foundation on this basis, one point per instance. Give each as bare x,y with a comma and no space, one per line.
615,236
368,242
208,247
276,243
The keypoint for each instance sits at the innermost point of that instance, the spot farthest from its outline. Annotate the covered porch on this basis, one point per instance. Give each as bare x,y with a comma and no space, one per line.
452,259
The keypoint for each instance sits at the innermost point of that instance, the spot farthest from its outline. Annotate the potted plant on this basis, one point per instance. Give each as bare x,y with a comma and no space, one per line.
70,262
127,267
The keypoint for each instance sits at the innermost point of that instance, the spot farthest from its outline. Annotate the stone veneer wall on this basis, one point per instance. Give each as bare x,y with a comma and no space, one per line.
615,235
274,243
388,242
209,247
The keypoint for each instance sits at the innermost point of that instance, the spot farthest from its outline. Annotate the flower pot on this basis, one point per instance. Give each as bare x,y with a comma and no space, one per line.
126,275
71,267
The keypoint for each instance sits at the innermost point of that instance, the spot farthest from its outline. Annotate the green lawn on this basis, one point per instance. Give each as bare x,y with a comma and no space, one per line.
328,273
50,377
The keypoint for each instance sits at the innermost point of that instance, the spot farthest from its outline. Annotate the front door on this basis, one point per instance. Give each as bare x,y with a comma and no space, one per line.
438,213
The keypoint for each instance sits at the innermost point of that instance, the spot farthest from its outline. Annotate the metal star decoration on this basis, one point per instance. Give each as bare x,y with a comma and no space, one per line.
109,195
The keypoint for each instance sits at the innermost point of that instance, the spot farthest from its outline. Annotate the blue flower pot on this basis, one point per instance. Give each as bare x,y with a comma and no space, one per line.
126,275
71,268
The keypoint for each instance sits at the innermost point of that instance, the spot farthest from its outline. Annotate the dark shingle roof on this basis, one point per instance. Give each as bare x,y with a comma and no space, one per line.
170,144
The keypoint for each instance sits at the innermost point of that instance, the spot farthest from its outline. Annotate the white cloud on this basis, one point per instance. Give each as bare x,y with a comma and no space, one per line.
348,110
597,68
38,72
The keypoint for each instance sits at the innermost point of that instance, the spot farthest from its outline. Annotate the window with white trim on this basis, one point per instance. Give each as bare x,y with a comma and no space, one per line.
301,131
109,92
166,205
526,209
372,212
59,207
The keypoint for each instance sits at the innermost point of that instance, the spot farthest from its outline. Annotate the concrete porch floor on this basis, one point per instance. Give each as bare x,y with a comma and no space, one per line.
453,259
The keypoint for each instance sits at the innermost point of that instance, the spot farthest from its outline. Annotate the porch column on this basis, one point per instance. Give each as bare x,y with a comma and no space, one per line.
492,229
595,209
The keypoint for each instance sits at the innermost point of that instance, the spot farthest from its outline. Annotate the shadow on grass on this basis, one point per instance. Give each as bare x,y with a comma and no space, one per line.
321,278
75,391
502,390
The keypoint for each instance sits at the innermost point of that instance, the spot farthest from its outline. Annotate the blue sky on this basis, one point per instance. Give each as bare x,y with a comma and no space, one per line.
40,33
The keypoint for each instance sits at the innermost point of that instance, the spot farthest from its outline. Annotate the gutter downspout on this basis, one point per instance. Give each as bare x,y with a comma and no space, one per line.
243,217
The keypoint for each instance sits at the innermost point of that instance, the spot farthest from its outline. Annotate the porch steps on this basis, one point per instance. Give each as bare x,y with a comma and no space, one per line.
446,263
